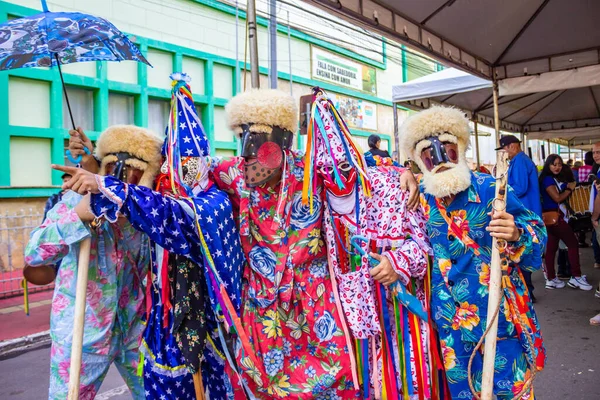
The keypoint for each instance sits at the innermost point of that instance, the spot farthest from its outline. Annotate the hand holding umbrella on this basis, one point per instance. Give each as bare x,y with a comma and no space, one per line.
50,39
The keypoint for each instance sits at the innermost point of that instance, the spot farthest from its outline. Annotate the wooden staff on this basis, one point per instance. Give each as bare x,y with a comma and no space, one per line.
80,297
495,284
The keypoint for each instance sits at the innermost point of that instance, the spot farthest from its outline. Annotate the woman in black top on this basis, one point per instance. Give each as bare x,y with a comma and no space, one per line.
374,141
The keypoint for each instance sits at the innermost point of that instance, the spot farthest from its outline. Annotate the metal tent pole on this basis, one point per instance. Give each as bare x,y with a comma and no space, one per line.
253,39
476,141
273,44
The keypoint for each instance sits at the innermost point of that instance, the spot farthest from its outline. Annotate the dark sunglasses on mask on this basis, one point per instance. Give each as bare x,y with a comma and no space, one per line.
439,153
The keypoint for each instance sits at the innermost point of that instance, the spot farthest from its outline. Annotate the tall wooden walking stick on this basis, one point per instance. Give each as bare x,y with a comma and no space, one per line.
495,286
495,295
80,297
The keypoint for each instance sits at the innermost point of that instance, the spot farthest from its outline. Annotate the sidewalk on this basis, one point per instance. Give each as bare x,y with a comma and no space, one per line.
16,328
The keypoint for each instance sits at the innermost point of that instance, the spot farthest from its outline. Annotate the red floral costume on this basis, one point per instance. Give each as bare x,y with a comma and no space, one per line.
289,313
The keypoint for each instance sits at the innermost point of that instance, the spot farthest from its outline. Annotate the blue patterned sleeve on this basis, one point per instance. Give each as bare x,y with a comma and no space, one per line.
168,222
528,251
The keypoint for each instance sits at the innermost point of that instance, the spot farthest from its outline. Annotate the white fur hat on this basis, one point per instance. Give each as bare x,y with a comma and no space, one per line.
438,121
434,122
263,109
141,143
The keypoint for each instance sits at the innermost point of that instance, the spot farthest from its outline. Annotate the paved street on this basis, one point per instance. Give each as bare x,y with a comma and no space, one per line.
25,377
572,372
573,345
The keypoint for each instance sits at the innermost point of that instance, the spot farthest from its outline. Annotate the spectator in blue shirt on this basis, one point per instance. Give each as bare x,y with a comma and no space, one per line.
523,178
522,174
374,142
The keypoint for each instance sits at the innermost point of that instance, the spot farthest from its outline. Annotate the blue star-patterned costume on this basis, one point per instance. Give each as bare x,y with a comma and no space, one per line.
171,224
187,232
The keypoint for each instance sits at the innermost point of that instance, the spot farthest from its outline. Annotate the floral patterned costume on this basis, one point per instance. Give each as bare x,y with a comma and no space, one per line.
289,310
393,346
406,363
119,259
460,279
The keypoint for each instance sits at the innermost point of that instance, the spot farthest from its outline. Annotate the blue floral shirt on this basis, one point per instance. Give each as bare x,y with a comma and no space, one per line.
462,254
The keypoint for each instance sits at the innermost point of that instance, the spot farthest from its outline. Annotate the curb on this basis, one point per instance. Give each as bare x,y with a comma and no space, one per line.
25,343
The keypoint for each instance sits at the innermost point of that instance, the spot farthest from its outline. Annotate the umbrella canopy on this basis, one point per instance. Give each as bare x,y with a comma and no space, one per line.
44,39
50,39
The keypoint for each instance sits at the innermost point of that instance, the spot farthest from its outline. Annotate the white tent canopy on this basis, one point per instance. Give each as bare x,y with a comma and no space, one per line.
582,138
544,54
447,82
569,114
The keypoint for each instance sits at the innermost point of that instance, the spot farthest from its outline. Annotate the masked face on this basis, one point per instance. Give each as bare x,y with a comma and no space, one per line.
191,168
442,161
437,152
124,167
342,200
263,153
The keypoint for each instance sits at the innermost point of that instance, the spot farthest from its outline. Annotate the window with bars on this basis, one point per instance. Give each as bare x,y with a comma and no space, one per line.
121,109
82,107
158,115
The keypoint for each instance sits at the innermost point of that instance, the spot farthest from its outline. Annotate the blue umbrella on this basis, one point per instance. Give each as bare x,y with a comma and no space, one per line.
53,38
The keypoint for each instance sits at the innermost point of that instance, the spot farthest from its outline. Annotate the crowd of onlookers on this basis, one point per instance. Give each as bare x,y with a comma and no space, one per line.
564,195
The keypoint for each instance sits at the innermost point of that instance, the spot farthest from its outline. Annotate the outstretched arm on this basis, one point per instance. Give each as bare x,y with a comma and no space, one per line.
169,222
409,258
408,182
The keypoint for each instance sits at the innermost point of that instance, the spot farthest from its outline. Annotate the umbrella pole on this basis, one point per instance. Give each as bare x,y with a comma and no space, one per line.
78,323
65,91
